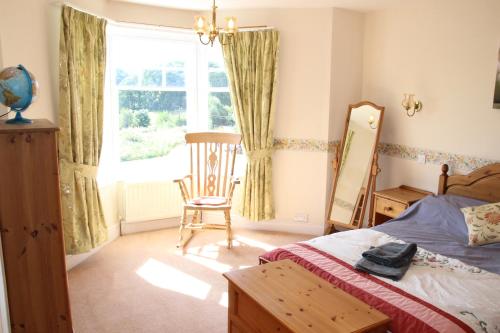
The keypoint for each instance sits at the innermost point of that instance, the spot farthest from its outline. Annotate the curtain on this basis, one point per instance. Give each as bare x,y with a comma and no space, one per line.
251,60
82,52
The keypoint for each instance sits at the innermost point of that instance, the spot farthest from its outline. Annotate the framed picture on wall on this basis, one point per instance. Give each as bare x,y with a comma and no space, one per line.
496,97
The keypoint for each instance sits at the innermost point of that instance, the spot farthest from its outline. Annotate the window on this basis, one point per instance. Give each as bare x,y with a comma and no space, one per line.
163,84
220,112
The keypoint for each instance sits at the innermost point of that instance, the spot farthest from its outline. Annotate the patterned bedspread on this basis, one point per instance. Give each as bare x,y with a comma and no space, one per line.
437,294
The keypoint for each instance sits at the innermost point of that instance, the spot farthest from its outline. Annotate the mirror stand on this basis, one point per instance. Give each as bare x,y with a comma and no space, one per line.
355,168
375,171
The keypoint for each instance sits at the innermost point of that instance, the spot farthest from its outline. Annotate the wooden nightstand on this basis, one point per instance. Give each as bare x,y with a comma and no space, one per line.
284,297
390,203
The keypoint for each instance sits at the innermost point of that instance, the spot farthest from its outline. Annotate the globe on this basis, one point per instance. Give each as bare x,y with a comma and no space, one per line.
18,90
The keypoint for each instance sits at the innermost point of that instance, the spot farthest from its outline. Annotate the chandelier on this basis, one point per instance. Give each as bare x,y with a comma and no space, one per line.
211,30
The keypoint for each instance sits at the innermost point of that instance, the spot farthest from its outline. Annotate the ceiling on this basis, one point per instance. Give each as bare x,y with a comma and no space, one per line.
360,5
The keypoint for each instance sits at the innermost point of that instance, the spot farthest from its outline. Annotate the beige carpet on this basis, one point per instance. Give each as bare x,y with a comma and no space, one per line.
142,283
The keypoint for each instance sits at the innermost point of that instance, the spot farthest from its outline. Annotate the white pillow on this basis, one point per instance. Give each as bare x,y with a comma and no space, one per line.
483,223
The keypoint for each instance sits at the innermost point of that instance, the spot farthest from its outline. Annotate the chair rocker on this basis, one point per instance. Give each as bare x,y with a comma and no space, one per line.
211,182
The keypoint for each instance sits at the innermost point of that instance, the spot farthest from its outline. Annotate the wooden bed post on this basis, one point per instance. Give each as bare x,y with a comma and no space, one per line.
443,179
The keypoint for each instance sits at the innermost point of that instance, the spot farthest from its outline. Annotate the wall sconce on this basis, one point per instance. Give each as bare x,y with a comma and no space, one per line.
411,105
372,123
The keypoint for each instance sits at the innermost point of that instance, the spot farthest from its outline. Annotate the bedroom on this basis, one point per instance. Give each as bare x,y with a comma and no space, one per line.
331,54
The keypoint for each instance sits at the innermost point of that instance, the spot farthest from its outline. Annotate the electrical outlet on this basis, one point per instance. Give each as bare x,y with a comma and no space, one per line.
421,158
300,217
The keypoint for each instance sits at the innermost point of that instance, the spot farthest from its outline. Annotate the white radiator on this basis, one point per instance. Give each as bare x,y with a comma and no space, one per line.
150,201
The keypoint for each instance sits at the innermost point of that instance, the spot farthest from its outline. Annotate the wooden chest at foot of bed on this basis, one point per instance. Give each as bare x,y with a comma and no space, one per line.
284,297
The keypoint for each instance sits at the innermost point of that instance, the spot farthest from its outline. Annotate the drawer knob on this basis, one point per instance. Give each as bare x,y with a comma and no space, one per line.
387,209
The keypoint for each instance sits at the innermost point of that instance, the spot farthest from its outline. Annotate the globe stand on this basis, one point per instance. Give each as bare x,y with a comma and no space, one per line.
18,119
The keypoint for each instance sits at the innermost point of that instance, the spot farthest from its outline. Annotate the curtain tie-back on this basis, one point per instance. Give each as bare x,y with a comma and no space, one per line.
88,171
259,154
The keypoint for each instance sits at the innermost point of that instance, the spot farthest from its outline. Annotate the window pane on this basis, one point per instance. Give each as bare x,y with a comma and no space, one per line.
146,143
214,65
152,78
176,64
152,100
220,112
152,123
217,79
124,78
176,79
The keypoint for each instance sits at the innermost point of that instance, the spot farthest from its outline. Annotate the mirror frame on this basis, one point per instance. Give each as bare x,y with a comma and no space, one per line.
373,171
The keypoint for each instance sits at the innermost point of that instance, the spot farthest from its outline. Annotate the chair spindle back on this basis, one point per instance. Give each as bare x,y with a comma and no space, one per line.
212,160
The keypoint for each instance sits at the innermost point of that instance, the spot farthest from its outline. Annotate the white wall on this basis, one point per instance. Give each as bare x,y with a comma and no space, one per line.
122,11
347,66
446,52
27,44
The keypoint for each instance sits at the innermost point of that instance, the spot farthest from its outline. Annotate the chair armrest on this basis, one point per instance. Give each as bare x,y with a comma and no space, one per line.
186,196
234,181
182,179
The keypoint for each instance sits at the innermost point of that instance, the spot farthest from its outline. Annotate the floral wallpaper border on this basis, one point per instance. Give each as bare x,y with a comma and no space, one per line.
455,161
311,145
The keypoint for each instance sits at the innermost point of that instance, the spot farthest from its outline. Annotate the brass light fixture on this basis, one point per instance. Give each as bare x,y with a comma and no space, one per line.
371,122
411,105
211,30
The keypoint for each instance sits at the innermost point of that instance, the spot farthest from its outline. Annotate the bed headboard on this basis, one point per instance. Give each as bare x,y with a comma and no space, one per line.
482,184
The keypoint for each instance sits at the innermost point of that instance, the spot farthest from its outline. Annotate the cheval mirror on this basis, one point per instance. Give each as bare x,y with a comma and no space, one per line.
355,166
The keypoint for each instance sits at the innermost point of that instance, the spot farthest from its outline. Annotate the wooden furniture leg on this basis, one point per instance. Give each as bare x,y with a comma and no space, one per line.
331,229
229,232
196,217
183,241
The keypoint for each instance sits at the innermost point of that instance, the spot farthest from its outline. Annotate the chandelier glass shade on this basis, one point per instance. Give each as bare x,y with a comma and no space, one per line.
210,31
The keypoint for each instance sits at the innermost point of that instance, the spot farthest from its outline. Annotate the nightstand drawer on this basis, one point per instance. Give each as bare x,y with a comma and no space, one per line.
389,207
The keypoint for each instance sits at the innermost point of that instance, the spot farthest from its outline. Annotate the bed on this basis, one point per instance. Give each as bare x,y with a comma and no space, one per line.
449,287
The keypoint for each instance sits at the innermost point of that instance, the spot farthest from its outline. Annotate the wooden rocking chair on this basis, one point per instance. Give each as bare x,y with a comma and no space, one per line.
211,181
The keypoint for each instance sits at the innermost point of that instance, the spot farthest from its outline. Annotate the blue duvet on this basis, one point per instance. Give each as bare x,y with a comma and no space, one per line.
436,224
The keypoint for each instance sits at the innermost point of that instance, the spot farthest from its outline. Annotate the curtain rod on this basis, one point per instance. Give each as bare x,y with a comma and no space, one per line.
63,3
185,28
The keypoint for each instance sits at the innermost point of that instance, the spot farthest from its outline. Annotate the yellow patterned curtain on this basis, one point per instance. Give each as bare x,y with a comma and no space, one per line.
251,60
81,86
